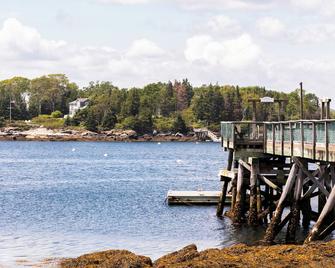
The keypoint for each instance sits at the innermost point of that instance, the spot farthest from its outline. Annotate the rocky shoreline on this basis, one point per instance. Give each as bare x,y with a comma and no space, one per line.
44,134
321,254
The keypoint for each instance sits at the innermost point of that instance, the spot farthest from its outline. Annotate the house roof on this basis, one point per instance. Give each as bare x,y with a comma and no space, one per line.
80,100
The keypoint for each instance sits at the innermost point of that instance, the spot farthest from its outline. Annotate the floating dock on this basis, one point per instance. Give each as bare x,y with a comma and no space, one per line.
195,197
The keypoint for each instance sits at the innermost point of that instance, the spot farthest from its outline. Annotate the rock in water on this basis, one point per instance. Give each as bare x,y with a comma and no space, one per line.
110,258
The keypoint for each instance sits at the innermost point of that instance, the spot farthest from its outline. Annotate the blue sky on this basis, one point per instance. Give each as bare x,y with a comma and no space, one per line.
269,43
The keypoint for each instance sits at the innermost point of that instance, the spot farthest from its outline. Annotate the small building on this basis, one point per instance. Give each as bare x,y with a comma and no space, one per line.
78,104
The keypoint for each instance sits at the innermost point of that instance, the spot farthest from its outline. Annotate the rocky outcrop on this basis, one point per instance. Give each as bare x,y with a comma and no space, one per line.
45,134
321,254
184,255
110,258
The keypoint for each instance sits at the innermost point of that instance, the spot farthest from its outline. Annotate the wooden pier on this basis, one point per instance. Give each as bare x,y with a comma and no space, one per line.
274,170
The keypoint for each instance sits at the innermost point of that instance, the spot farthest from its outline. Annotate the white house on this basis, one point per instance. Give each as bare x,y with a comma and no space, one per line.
77,105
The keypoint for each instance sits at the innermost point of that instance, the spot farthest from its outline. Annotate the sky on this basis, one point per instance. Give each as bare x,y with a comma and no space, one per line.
276,44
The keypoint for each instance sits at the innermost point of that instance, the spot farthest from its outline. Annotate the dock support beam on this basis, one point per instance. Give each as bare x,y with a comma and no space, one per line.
237,212
253,219
274,226
316,230
223,195
295,208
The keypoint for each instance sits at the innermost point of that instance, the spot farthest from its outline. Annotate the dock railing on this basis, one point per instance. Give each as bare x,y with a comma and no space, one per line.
238,134
313,139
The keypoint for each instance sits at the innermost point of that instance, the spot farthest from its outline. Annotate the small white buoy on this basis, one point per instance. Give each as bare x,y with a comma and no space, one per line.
158,143
105,155
73,149
179,161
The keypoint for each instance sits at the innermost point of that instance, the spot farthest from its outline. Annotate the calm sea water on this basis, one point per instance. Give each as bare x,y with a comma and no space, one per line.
63,199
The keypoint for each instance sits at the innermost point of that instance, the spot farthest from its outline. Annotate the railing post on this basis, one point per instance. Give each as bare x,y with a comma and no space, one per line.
314,139
326,140
302,138
233,134
291,138
282,137
273,139
265,137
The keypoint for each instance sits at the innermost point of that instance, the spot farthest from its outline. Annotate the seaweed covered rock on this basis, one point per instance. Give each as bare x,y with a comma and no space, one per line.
186,254
110,259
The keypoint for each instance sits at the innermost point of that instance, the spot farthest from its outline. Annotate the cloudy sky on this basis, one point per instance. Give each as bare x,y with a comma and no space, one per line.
269,43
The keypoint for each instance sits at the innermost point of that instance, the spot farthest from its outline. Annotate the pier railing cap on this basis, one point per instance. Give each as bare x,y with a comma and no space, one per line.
279,122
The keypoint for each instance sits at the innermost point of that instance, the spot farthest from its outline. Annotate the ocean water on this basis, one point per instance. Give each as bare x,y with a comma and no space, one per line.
63,199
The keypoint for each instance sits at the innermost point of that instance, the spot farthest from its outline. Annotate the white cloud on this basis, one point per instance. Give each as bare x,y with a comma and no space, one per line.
201,4
23,51
270,27
19,41
232,54
124,2
306,4
324,7
219,4
313,33
145,48
223,25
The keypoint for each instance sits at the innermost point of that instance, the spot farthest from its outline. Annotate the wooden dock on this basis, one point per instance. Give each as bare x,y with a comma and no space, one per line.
194,197
277,166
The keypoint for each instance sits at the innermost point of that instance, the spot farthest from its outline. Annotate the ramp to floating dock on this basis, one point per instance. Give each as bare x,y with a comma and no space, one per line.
194,197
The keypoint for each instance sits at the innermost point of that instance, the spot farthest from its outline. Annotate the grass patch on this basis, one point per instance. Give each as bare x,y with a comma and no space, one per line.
48,121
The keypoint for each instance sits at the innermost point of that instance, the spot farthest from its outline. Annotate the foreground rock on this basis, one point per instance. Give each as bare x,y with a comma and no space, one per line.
110,258
312,255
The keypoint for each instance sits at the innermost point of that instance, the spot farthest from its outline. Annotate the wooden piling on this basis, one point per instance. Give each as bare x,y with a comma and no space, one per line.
329,206
238,207
223,195
273,227
306,209
295,209
253,219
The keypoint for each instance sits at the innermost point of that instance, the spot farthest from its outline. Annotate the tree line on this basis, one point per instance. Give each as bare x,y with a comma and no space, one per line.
165,107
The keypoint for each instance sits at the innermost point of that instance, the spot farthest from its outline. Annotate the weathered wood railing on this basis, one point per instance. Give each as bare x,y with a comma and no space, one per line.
241,134
312,139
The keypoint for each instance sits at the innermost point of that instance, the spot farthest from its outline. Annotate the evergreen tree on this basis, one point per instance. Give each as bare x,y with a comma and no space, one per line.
109,120
179,125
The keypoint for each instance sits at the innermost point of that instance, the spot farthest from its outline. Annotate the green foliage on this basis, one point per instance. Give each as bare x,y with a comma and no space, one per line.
109,120
164,124
90,122
2,122
179,125
48,121
172,106
56,114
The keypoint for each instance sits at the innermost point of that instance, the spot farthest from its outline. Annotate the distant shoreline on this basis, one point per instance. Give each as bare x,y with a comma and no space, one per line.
44,134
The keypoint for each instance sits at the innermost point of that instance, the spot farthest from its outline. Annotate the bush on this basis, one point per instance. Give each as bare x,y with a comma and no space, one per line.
179,125
164,124
56,114
2,122
48,121
108,120
91,123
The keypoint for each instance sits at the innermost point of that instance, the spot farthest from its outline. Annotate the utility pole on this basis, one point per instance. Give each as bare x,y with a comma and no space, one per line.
301,102
10,109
